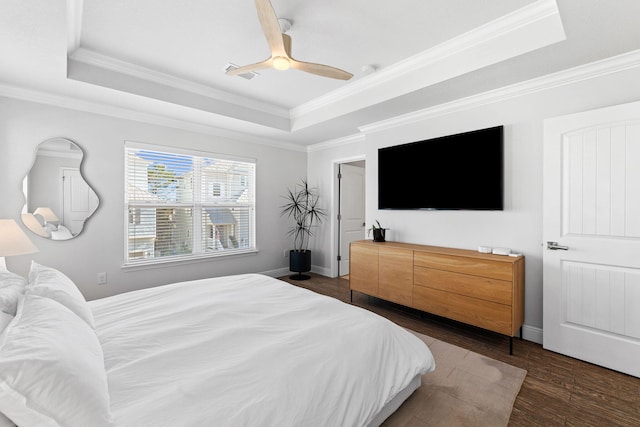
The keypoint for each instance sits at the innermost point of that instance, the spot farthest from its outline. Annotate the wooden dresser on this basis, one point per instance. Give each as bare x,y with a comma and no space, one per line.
483,290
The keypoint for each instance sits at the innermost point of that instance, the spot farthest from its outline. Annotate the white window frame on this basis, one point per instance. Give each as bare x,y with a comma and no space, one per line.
196,206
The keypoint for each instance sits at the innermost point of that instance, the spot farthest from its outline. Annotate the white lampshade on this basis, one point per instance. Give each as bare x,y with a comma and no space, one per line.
47,214
13,241
34,225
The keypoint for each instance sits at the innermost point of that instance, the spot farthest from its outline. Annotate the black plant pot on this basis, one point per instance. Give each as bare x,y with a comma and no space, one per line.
300,262
378,235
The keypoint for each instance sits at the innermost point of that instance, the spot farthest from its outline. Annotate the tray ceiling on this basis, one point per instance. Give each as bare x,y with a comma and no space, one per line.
168,58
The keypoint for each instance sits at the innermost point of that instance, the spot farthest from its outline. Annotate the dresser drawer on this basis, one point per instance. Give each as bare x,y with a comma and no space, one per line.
363,263
395,275
484,314
466,265
500,291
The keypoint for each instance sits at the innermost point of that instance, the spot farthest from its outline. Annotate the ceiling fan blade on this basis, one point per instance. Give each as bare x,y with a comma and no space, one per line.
251,67
321,70
286,39
270,27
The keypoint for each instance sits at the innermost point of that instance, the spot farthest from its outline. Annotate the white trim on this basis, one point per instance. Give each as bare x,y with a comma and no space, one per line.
172,261
136,145
532,333
570,76
197,250
95,59
284,271
503,27
61,154
350,159
24,94
577,74
61,193
335,196
350,139
74,25
323,271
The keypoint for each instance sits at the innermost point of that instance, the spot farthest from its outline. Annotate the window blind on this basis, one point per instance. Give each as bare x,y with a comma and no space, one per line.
185,205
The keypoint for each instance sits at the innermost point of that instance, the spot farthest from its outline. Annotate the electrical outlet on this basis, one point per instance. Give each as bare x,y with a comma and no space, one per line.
102,278
286,253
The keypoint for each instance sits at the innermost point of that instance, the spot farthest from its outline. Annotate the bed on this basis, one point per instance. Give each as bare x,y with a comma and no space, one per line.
244,350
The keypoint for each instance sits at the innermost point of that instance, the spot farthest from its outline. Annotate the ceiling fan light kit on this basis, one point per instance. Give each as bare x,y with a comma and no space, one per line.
274,30
281,63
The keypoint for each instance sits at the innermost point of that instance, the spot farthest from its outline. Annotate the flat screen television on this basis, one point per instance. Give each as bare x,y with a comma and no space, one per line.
462,171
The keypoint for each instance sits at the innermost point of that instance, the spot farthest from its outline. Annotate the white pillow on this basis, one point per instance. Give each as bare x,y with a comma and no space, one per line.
52,368
50,283
51,227
12,286
62,233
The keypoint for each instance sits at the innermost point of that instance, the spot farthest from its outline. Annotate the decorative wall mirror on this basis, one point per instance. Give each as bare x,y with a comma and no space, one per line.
58,199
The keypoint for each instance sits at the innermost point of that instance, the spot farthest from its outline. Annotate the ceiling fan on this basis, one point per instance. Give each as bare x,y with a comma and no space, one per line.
280,45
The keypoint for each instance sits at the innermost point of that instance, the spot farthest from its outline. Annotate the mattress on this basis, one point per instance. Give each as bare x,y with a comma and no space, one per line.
250,350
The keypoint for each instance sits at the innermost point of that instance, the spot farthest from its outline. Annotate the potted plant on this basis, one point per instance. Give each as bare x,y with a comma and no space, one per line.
302,206
378,232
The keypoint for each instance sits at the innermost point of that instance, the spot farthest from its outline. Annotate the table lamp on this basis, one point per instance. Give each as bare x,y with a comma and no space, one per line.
34,225
13,241
47,214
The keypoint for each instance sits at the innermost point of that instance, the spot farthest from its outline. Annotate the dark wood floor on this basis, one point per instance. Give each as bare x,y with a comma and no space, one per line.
558,390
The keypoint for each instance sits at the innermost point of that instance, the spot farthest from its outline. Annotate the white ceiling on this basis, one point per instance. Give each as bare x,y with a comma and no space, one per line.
165,59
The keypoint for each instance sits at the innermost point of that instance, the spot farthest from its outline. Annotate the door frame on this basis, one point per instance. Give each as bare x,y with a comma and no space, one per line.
334,224
61,190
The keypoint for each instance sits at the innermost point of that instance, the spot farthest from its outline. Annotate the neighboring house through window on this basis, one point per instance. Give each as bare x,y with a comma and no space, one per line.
184,204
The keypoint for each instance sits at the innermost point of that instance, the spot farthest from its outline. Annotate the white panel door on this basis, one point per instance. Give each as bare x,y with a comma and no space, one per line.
352,207
78,200
592,211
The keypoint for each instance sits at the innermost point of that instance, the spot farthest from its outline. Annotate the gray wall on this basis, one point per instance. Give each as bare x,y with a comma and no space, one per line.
100,247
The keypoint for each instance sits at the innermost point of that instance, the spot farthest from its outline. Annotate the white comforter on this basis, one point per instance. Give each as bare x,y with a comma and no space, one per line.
249,350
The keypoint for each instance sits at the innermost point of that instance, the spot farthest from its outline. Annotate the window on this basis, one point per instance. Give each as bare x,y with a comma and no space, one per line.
182,204
216,189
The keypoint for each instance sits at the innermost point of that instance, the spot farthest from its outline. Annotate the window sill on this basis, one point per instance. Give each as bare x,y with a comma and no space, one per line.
190,259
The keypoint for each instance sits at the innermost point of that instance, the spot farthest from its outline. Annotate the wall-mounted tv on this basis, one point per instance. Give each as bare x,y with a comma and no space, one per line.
462,171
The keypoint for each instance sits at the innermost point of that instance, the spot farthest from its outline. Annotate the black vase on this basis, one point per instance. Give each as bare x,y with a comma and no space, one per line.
378,235
300,262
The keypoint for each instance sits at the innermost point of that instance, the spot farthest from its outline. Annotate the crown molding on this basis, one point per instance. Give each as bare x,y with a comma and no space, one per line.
60,154
513,22
338,142
74,24
40,97
570,76
86,56
533,26
98,60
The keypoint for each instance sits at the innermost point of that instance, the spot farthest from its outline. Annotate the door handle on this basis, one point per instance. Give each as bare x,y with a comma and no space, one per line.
554,246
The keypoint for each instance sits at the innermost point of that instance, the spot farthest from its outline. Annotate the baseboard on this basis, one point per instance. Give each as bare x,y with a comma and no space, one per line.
531,333
277,272
321,270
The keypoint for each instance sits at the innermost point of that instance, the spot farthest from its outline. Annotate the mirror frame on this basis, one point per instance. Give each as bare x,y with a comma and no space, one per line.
48,221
